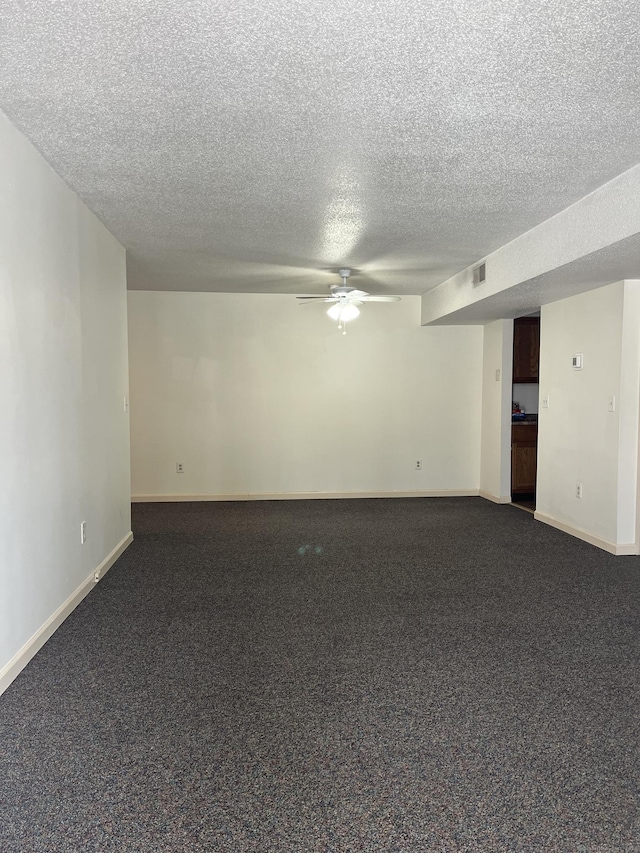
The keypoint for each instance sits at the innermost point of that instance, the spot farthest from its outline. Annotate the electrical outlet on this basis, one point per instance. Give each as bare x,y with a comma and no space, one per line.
579,491
83,532
418,464
96,576
179,468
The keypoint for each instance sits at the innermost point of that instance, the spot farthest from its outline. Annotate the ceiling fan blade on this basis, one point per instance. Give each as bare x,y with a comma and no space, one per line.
380,298
356,294
310,300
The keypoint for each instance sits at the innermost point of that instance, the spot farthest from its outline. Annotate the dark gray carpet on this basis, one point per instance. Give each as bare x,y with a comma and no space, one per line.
366,675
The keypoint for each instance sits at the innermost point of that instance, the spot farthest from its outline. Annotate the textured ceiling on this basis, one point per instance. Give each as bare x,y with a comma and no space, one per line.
252,146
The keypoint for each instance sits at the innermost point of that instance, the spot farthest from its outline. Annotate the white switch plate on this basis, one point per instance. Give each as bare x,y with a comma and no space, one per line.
125,404
498,375
545,401
576,361
83,532
612,403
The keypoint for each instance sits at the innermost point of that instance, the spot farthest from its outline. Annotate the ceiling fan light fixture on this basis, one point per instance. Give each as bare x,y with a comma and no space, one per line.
345,300
343,312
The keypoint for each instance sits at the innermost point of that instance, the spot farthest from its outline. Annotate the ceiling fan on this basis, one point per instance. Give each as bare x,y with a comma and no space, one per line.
345,300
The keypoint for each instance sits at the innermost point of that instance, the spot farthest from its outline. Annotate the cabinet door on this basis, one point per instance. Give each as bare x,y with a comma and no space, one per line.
523,467
526,349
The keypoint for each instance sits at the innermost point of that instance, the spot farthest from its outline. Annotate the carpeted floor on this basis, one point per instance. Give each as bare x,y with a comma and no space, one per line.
336,676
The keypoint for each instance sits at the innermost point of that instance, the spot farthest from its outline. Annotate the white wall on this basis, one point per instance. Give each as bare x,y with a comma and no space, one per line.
495,468
64,446
579,439
258,395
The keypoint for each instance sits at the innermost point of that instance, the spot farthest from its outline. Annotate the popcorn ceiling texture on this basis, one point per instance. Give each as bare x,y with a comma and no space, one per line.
240,145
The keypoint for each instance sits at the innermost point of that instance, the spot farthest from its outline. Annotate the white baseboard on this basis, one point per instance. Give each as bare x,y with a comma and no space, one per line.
11,670
305,496
497,499
611,547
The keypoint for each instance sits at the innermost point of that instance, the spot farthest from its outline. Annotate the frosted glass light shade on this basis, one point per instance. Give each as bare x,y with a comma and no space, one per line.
344,312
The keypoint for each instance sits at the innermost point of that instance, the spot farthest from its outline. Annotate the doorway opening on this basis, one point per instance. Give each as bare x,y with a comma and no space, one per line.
524,411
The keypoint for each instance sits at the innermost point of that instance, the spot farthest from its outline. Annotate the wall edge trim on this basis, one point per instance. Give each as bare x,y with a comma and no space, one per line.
288,496
14,667
497,499
623,550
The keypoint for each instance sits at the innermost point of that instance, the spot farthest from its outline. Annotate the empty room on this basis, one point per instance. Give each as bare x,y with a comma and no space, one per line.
320,370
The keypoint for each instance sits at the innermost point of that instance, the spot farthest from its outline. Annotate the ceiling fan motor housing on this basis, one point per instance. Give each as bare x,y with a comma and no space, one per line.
341,290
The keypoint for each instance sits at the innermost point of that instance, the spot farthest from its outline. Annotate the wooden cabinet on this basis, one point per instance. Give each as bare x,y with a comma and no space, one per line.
526,349
524,441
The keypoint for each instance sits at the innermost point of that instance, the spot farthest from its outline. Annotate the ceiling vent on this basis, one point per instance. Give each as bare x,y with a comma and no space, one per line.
480,274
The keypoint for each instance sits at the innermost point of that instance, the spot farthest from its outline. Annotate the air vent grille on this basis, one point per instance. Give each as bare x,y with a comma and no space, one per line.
480,274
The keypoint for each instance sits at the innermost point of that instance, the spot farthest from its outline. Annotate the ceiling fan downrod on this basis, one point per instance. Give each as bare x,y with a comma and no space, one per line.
344,275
